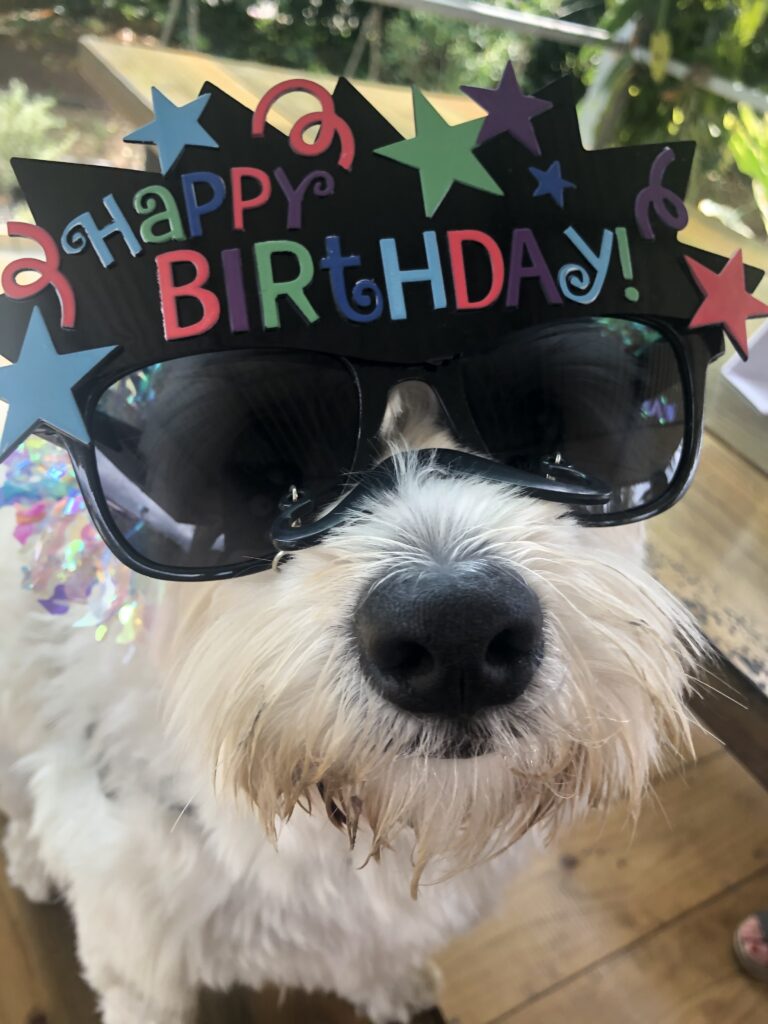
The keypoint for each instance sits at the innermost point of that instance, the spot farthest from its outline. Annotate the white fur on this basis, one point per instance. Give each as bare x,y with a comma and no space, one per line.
167,796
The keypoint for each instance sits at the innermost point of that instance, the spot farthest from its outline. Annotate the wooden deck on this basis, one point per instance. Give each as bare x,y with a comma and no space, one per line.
604,928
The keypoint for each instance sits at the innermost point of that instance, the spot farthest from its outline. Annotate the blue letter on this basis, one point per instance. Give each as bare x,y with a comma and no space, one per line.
366,293
196,210
574,276
395,278
82,230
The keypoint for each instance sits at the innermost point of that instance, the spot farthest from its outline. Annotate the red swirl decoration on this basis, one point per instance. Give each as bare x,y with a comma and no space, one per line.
47,268
326,120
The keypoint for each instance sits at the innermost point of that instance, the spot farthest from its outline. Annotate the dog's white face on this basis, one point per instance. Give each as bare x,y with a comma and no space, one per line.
456,663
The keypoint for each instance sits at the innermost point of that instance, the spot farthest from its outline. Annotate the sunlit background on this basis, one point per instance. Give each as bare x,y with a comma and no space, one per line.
667,80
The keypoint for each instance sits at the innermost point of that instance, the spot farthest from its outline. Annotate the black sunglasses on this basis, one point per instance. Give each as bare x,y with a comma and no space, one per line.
201,466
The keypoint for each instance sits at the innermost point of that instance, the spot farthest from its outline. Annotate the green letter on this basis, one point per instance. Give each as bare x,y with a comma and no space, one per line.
270,290
146,202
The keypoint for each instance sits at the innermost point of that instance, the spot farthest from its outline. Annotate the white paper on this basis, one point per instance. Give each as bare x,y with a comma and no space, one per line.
750,378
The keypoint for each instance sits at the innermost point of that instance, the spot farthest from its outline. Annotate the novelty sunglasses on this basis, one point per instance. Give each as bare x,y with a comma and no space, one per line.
202,466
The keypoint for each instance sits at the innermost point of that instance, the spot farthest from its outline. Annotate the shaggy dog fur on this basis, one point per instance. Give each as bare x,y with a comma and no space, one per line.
180,800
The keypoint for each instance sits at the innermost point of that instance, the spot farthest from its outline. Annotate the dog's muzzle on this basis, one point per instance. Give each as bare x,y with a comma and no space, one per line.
450,641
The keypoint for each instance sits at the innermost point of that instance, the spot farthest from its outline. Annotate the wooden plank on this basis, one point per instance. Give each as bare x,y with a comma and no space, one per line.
704,743
734,420
711,550
274,1007
598,889
125,74
736,712
683,974
39,973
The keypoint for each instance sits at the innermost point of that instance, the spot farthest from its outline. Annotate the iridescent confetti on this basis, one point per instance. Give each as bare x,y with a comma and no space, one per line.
67,565
659,409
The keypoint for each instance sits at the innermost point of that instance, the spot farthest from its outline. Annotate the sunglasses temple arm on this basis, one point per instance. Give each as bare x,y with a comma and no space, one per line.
560,483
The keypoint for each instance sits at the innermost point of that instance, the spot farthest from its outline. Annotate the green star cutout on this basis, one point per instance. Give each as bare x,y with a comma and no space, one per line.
442,154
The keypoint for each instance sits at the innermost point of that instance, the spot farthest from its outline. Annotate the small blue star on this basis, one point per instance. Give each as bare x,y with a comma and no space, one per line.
174,128
38,387
551,182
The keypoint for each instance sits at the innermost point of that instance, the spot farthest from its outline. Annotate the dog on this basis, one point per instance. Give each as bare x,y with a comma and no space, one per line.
278,788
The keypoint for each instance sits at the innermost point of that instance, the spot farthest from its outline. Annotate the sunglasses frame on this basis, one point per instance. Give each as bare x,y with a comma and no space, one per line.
374,382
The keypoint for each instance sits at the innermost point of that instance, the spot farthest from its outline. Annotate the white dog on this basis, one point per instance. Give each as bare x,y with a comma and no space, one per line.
252,798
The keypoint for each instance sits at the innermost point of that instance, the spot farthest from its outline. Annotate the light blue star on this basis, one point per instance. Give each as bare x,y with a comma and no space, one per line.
38,387
551,182
174,128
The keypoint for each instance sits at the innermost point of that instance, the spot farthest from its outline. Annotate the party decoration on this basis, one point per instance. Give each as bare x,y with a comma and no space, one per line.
625,258
509,110
328,122
442,154
726,300
550,182
341,236
174,128
38,387
65,562
666,204
47,269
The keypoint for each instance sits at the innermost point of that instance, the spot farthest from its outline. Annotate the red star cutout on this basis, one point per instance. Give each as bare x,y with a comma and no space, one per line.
726,300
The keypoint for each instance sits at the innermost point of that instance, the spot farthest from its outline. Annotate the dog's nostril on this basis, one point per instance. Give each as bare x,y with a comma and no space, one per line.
523,639
452,641
506,646
402,658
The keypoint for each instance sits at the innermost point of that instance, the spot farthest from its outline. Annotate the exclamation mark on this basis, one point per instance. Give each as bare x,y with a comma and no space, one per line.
630,292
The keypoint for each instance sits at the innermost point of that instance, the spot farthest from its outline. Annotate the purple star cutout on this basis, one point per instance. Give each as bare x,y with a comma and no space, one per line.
509,110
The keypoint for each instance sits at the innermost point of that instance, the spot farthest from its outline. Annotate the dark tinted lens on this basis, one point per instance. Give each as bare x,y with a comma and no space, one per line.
194,454
602,395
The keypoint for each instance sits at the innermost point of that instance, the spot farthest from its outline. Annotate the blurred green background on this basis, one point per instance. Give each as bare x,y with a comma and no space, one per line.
47,110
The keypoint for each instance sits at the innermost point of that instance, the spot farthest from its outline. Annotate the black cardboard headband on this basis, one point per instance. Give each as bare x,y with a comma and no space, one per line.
357,242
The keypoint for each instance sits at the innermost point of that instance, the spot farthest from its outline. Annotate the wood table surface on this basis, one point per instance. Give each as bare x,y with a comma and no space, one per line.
711,550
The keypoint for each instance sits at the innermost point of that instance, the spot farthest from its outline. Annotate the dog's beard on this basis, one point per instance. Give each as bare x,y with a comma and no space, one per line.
267,677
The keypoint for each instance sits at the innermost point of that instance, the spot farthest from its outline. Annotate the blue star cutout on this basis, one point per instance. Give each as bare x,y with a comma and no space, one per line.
174,128
551,182
38,387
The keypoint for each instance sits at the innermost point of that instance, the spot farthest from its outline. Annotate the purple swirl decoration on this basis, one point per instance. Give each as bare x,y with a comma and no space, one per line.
666,204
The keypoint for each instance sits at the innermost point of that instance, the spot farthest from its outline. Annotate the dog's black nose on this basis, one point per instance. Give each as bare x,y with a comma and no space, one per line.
450,641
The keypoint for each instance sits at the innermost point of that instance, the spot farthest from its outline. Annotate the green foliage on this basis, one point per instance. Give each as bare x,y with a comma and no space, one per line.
721,35
28,127
726,37
428,51
432,52
750,20
748,142
319,35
